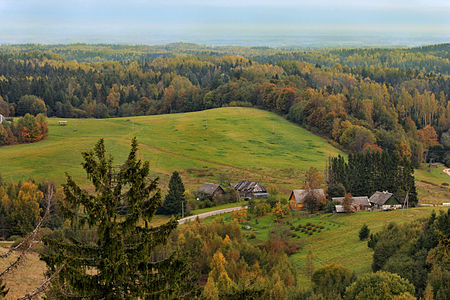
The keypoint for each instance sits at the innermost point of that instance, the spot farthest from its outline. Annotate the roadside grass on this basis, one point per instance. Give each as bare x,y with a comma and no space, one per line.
432,194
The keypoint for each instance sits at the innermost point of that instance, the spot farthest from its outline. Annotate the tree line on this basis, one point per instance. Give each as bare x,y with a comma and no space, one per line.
365,173
354,108
27,129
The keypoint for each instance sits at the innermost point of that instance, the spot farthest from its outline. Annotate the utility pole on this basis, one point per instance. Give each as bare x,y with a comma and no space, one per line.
182,209
406,203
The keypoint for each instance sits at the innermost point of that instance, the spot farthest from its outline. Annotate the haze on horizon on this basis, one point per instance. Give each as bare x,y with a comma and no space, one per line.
227,22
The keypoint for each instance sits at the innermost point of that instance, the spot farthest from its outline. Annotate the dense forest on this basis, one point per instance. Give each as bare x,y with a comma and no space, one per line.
361,99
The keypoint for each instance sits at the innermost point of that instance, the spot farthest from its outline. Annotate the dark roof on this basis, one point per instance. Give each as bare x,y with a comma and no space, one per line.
300,195
208,188
379,198
249,186
362,200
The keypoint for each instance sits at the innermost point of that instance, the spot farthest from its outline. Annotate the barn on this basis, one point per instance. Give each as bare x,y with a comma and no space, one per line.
250,189
384,200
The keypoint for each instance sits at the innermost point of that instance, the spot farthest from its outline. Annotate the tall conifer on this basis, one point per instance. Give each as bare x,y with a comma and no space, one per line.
106,253
175,201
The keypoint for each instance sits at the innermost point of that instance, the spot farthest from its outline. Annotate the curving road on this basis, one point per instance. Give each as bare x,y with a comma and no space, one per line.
210,213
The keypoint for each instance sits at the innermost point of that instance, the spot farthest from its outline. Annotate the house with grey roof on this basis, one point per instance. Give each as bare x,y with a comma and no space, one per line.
358,203
297,197
250,189
211,189
384,200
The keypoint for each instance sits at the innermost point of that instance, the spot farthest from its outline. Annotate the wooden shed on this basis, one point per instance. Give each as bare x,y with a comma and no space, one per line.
211,189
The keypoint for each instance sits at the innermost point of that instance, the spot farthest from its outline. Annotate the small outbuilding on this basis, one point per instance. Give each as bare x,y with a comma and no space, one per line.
297,197
358,203
384,200
211,189
250,189
2,118
62,123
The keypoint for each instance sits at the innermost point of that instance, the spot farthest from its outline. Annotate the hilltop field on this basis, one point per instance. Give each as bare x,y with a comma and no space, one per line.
241,143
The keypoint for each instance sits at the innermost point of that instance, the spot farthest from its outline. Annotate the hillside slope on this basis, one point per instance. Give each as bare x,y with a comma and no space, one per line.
243,143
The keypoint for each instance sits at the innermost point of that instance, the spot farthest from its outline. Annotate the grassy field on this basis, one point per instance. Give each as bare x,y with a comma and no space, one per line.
338,241
434,176
242,143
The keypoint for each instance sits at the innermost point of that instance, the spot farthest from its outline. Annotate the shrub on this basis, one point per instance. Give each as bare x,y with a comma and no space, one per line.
380,285
364,232
331,280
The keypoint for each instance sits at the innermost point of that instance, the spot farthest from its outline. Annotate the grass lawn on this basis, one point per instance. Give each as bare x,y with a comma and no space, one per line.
243,143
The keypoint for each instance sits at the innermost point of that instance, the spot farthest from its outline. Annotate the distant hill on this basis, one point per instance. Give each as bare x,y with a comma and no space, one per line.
241,143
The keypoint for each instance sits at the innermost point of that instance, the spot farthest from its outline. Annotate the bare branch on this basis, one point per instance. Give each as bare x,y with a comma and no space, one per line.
43,286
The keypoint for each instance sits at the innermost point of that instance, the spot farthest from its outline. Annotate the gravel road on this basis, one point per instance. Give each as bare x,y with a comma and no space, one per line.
210,213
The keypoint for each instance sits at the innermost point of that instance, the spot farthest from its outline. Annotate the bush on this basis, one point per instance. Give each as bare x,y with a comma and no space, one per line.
261,209
364,232
13,238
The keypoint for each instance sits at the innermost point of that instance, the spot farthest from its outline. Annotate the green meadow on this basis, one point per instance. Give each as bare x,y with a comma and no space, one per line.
241,143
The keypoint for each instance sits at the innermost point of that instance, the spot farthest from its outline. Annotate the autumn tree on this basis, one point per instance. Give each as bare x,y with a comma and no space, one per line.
314,199
106,253
428,136
347,203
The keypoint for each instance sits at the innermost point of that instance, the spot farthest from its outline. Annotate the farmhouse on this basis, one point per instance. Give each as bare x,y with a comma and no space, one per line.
250,189
384,200
297,197
358,203
211,189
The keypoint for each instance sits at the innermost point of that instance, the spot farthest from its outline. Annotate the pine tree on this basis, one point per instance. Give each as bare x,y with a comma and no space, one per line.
105,253
364,232
175,202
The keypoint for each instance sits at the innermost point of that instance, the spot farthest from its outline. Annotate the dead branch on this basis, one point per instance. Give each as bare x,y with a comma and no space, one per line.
29,240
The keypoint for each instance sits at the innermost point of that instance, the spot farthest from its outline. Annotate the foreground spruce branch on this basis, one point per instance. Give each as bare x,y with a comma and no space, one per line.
107,246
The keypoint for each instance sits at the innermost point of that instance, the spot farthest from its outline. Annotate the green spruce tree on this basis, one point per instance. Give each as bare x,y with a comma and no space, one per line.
106,253
175,202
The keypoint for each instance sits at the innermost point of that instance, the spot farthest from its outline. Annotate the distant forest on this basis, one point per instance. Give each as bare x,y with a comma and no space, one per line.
361,99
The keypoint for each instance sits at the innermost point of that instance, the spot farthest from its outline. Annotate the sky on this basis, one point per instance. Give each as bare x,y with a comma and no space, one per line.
226,22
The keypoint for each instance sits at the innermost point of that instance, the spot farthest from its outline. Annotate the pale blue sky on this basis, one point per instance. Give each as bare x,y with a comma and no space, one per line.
250,22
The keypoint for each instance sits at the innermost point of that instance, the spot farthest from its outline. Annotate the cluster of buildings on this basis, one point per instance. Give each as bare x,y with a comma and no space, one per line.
250,189
246,189
379,200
